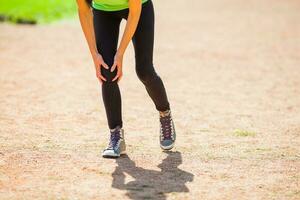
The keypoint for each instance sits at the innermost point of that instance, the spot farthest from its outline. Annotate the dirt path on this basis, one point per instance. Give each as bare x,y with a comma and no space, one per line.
226,64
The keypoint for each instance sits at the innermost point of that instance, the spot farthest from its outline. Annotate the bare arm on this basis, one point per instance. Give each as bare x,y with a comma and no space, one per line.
135,7
86,21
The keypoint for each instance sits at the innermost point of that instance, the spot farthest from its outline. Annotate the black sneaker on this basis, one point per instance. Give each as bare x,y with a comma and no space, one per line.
167,130
116,145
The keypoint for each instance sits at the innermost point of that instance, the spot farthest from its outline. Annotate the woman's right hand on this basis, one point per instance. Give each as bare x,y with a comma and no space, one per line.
99,62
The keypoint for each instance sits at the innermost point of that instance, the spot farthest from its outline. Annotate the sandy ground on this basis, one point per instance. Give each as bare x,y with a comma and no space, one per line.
226,64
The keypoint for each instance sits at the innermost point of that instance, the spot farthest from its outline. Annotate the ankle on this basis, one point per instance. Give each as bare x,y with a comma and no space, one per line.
118,127
165,113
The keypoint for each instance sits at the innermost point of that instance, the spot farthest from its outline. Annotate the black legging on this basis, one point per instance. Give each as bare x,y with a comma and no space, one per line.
106,25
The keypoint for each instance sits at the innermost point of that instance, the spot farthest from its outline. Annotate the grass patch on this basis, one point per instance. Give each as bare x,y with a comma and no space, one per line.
33,11
243,133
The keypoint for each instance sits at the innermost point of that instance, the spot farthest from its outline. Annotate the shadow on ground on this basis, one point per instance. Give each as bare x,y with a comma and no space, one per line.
151,184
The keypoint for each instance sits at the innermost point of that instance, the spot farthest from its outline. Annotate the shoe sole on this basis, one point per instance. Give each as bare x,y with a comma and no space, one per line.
166,148
113,156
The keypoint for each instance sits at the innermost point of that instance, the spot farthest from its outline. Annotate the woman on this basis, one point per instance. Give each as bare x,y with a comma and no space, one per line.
100,21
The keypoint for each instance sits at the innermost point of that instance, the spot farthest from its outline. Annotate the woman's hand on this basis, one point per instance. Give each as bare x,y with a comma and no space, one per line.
118,63
99,62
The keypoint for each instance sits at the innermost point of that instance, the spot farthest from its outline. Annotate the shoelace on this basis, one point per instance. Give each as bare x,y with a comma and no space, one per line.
114,139
166,126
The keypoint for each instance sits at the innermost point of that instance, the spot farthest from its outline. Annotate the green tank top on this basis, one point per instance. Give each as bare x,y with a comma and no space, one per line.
111,5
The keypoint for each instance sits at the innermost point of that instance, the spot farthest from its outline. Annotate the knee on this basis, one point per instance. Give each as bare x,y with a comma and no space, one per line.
109,76
108,84
146,74
108,57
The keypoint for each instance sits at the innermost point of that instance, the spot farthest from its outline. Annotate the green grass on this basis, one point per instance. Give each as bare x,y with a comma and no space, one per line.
243,133
36,11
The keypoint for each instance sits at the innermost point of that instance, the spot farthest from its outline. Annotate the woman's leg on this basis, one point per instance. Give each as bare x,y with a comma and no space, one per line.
143,40
106,27
143,44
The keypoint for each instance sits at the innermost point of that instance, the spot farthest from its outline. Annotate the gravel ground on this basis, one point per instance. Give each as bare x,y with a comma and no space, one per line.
231,69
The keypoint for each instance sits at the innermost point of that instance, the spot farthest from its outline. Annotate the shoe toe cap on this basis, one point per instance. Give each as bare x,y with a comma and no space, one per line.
110,153
167,144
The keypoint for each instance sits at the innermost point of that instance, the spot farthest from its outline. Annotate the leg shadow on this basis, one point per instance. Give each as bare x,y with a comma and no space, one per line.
151,184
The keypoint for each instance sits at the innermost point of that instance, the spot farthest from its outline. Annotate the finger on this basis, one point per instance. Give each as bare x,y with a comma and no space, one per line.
114,67
105,65
120,78
116,77
102,78
99,76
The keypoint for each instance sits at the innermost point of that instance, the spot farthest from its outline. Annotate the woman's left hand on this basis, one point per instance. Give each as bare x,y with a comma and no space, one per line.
118,62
